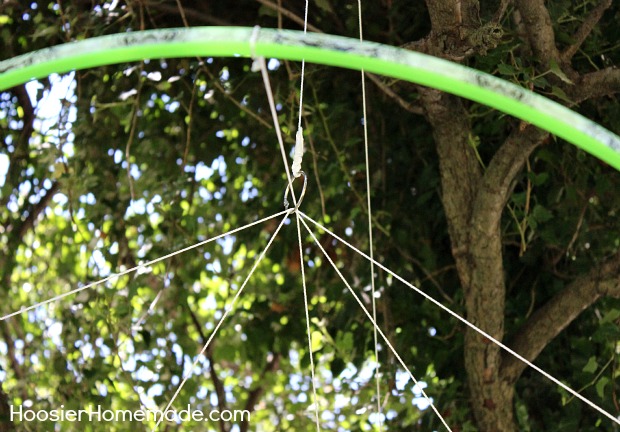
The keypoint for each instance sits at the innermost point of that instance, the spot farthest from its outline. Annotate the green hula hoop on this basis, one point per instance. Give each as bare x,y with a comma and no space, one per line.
323,49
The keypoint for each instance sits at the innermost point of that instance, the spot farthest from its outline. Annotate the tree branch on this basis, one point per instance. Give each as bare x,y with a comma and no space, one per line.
548,321
393,95
15,365
479,265
499,178
17,369
586,28
541,37
485,295
29,114
6,424
459,169
501,10
446,15
604,82
35,210
18,231
217,383
20,154
255,394
127,258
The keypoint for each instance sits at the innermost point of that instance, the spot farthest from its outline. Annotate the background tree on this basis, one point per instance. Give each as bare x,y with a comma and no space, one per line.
505,224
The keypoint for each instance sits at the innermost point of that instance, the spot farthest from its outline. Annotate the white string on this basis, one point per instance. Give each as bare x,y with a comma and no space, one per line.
138,267
303,70
259,64
374,323
370,242
303,282
464,321
298,155
299,137
228,308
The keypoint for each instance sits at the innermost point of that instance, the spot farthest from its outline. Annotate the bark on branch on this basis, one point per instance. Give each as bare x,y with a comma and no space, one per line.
541,37
459,169
548,321
499,178
485,295
601,83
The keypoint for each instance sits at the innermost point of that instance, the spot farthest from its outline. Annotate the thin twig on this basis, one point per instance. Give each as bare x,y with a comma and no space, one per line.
287,13
586,28
228,95
429,275
575,236
343,167
182,12
316,169
393,95
138,267
132,131
228,309
188,13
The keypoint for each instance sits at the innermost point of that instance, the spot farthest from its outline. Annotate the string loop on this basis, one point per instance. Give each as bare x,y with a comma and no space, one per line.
301,197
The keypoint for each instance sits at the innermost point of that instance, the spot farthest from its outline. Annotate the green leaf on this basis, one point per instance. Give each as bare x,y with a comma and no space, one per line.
600,386
506,69
591,366
611,316
317,341
557,71
540,82
45,32
325,5
560,94
519,198
541,214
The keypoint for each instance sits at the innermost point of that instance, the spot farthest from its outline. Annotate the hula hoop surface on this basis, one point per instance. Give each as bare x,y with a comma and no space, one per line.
322,49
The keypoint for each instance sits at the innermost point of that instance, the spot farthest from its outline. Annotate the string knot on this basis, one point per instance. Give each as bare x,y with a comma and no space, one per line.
256,64
298,153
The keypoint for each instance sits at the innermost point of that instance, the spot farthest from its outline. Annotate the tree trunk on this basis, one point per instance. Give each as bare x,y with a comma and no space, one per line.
6,425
